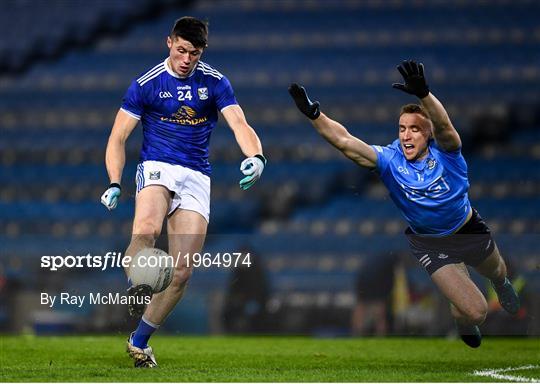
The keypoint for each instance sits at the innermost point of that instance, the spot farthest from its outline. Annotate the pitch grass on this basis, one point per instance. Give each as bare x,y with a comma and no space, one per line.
268,359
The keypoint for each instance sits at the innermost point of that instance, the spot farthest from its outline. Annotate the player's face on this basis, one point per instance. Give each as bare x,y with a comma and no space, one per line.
414,133
183,56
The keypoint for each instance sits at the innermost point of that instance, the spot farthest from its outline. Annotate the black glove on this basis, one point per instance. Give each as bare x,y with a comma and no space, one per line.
415,82
304,104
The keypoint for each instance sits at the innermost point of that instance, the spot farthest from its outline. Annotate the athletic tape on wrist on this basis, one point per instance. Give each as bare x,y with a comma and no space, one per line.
115,185
261,157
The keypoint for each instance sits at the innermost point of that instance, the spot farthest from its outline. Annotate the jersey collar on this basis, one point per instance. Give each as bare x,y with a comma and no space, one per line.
420,165
174,74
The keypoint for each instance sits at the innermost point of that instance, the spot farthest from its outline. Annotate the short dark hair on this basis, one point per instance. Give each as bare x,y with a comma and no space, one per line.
414,108
191,29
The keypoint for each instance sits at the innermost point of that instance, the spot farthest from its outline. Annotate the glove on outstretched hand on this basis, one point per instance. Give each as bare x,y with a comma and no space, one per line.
415,82
302,101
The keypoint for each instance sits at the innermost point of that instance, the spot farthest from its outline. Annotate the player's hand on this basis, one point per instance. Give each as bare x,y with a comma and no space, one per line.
415,82
253,168
302,101
111,195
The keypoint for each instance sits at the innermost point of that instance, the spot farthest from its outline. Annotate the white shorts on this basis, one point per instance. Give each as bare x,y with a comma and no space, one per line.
191,188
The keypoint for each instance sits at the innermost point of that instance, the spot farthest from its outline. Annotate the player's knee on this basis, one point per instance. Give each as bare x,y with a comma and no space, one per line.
180,277
477,314
147,228
478,318
472,314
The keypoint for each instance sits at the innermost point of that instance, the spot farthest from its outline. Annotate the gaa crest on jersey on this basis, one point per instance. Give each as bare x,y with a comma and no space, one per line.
203,93
165,95
154,175
431,163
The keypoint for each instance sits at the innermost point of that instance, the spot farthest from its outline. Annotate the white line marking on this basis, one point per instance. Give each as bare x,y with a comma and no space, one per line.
496,374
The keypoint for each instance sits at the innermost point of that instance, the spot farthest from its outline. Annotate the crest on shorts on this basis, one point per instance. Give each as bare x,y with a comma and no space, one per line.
203,93
155,175
443,256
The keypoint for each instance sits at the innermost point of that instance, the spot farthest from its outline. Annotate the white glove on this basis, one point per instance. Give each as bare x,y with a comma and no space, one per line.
253,168
111,195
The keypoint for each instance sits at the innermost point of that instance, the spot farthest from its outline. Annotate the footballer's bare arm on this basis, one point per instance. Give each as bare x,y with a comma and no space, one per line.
445,134
115,154
335,133
245,135
352,147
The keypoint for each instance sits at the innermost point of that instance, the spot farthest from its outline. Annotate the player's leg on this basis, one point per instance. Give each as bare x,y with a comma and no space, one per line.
494,268
151,207
468,305
186,228
186,231
453,280
440,257
479,250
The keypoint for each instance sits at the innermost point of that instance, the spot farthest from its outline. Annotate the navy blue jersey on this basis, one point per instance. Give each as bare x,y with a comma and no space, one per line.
178,114
432,193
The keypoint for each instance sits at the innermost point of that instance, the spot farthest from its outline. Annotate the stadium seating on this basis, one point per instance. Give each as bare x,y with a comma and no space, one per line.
45,29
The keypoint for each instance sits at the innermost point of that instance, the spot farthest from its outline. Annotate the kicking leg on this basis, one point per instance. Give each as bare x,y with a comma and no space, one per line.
468,305
151,207
494,268
187,231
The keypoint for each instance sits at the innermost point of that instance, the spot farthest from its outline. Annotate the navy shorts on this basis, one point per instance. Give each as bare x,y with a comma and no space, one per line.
471,245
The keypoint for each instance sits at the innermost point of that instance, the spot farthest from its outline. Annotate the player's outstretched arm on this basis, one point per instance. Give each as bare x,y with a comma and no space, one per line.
415,84
444,132
248,141
335,133
115,156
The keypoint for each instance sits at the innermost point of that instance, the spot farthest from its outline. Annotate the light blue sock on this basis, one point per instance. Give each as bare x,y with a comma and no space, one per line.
143,332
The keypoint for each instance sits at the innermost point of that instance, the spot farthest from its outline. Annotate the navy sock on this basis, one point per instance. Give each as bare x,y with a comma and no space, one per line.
143,332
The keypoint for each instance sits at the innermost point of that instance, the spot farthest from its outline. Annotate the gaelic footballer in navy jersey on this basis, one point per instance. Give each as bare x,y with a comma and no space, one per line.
178,102
426,176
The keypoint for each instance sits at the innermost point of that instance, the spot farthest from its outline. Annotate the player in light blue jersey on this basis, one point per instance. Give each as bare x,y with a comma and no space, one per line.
426,176
177,102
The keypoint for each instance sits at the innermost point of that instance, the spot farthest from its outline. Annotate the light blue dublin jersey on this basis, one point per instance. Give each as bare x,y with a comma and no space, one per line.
430,193
178,114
